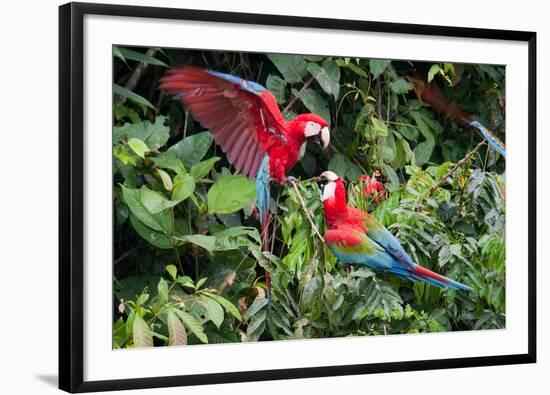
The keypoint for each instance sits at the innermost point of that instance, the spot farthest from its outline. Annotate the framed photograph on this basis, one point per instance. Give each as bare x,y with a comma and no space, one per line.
253,197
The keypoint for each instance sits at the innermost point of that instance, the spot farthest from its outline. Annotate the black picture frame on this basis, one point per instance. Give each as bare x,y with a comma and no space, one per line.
71,197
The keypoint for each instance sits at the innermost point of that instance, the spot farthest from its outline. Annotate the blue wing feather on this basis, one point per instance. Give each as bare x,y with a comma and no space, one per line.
248,86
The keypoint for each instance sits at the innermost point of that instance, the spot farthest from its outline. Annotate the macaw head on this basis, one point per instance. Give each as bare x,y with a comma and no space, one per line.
314,128
334,197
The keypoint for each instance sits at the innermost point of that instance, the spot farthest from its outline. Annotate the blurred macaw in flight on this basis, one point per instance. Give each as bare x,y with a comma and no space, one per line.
246,122
356,237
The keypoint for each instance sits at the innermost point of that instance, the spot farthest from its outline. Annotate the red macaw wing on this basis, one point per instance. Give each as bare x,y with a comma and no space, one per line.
242,115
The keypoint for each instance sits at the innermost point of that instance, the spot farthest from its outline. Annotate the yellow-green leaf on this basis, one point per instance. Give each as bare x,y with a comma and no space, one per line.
172,270
166,179
138,146
142,333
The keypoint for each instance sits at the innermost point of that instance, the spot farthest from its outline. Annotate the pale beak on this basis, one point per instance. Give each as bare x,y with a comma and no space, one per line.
325,137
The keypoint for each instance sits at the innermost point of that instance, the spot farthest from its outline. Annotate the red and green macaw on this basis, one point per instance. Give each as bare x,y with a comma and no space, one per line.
432,95
249,127
356,237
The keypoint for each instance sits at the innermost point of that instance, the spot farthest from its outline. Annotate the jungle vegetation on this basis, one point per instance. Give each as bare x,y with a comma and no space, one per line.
188,267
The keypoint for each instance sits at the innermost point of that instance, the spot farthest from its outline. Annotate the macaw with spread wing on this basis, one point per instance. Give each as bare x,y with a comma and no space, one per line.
246,122
356,237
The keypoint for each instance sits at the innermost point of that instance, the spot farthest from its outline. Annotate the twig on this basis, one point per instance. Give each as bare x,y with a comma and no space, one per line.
136,75
296,97
306,211
454,168
185,124
126,255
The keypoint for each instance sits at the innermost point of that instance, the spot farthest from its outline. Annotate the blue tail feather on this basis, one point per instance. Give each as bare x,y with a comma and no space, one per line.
263,195
263,199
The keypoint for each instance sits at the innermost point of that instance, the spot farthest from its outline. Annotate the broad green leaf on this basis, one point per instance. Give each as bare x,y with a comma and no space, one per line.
227,305
230,194
392,175
327,75
153,201
117,53
423,152
240,231
314,102
200,283
166,179
139,147
257,305
378,66
214,310
122,111
203,241
292,67
119,90
190,322
381,298
255,324
192,149
401,86
154,135
276,86
141,333
184,185
156,238
172,270
170,161
433,71
177,334
125,155
162,289
201,169
345,168
143,298
161,222
311,294
125,53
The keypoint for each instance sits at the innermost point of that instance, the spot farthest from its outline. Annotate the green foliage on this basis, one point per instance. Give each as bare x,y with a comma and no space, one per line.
189,267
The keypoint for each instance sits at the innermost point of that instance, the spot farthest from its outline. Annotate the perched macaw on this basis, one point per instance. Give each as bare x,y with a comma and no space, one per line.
432,95
249,127
356,237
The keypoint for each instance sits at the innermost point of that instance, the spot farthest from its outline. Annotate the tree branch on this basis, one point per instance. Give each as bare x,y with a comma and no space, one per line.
296,97
306,210
139,70
454,168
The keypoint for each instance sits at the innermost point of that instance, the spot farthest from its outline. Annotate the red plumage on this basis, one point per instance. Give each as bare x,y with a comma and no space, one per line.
339,215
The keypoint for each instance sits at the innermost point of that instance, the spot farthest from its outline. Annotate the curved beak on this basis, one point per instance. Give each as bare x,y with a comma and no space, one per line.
325,137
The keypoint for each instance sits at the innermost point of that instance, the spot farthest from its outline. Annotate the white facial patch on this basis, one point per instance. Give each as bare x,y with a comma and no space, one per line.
328,192
312,129
329,175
